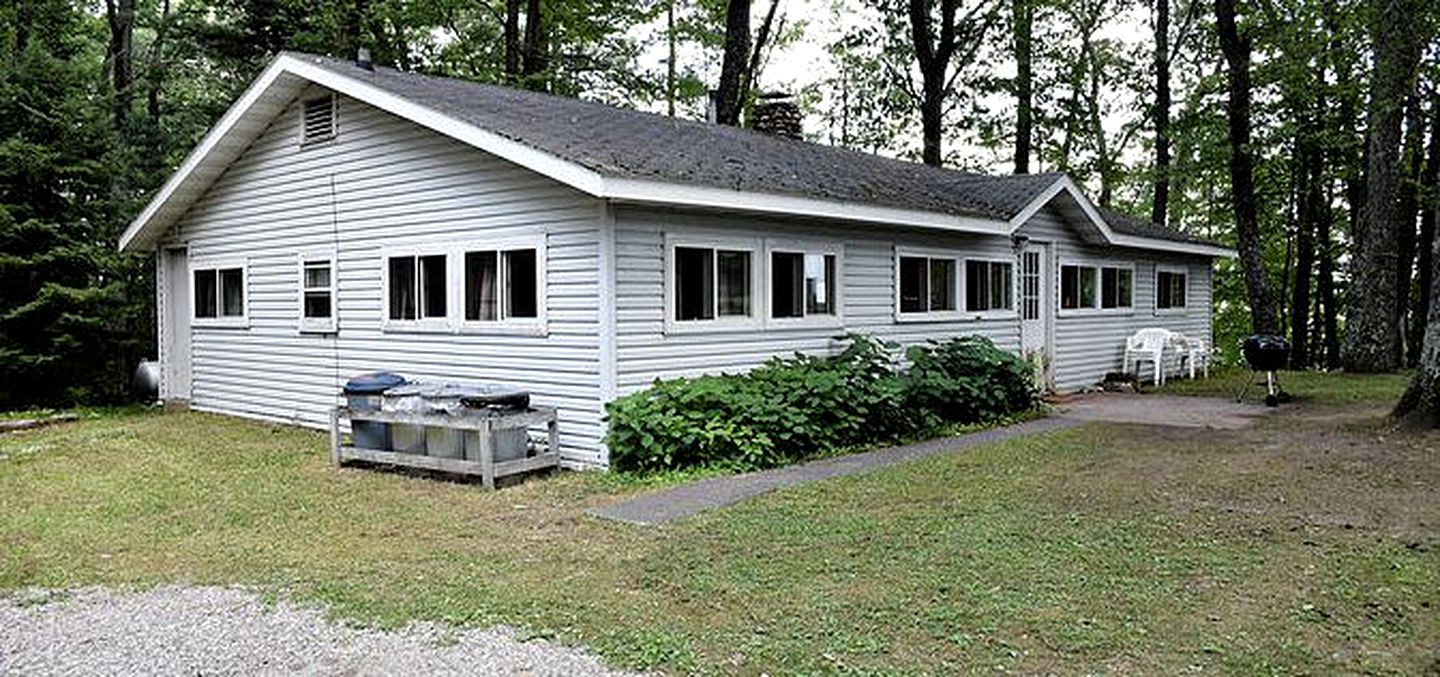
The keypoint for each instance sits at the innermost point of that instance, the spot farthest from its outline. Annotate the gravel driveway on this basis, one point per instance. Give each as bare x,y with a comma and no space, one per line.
198,630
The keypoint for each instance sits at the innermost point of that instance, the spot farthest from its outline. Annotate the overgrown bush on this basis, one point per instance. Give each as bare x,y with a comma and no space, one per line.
801,406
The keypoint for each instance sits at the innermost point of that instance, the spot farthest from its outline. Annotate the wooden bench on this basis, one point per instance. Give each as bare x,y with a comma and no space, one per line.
486,467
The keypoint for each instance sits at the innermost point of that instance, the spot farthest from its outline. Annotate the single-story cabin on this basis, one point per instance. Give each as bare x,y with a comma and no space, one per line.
341,219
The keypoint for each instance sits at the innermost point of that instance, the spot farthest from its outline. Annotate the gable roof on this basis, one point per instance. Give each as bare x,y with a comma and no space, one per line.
633,156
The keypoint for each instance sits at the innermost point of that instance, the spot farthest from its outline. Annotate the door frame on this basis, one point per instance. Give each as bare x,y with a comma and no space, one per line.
1047,276
175,341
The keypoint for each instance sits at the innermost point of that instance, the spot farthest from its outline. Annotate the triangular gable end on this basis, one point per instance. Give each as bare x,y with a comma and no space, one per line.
1081,215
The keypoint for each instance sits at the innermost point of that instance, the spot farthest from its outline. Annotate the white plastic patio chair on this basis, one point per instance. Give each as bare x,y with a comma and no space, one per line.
1147,345
1192,352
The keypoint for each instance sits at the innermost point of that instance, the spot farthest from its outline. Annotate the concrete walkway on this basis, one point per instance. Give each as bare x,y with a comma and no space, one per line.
1146,409
689,499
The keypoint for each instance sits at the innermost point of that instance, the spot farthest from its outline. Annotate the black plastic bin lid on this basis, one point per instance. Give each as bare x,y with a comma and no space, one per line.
495,396
373,383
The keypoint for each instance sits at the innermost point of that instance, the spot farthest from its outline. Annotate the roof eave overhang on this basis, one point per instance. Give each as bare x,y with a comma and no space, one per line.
657,193
1066,185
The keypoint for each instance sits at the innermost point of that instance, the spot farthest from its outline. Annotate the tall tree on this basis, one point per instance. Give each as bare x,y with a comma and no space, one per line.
1372,335
1411,165
1236,48
942,51
1160,112
1311,174
120,15
1420,405
535,57
730,99
1430,203
1023,22
511,37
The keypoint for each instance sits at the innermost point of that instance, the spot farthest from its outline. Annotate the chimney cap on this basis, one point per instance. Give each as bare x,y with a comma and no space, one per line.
362,59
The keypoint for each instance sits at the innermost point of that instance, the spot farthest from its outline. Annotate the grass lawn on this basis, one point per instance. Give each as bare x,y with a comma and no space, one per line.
1310,543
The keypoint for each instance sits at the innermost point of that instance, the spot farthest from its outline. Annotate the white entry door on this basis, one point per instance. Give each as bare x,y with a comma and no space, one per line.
1035,309
175,327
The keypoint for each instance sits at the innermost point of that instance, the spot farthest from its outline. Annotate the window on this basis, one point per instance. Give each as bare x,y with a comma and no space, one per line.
711,283
1030,286
927,285
802,284
1116,285
502,285
417,287
1170,287
219,293
1077,287
317,294
1091,287
988,286
317,120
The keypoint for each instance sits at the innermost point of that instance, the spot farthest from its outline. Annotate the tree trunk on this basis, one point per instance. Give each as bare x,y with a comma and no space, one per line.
731,101
669,58
1312,207
762,38
1409,210
1236,48
932,53
158,64
120,14
511,38
1024,19
1430,199
1419,407
1160,199
535,60
1372,337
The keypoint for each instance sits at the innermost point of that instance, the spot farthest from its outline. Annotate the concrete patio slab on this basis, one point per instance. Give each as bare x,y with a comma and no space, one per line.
1167,410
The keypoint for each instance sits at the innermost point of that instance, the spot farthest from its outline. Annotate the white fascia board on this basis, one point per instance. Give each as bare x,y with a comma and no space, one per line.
1153,244
670,194
202,151
1064,183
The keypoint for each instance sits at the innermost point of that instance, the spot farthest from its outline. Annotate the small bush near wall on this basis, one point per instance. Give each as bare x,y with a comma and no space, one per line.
802,406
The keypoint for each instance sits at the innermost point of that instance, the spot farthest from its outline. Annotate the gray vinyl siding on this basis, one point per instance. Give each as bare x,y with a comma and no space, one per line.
645,351
1089,344
384,182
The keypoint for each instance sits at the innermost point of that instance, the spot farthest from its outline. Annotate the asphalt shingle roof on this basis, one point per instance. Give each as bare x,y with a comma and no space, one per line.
617,142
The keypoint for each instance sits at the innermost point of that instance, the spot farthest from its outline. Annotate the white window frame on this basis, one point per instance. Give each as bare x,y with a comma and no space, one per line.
1155,300
421,324
334,120
964,279
759,292
958,289
1099,268
318,325
1100,287
529,326
241,321
804,247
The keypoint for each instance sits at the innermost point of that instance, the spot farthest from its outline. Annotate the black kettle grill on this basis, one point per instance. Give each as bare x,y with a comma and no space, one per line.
1267,353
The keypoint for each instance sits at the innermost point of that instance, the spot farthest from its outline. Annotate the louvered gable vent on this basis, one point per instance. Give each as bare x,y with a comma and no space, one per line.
319,120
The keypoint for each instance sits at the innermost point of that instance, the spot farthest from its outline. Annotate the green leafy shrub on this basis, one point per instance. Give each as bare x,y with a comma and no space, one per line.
967,380
797,407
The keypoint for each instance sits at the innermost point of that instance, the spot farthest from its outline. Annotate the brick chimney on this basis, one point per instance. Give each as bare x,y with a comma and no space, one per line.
777,113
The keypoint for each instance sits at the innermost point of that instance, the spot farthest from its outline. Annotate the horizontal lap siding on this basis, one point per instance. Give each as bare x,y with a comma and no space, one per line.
1090,345
394,184
645,352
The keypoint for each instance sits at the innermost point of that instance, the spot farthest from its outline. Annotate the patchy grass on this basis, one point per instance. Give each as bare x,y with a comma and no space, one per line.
1307,544
1316,387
